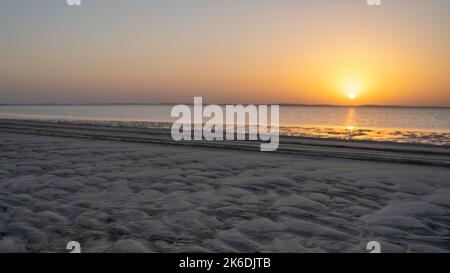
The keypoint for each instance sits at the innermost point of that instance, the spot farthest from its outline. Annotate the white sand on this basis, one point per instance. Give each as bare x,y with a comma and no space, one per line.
136,197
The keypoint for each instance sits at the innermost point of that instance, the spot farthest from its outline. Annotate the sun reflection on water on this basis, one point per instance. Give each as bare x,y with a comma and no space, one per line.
350,122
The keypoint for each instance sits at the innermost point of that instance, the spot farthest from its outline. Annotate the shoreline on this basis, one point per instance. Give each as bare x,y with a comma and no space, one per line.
422,154
427,136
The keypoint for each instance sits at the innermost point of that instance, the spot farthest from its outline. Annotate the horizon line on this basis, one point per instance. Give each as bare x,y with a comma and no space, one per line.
221,104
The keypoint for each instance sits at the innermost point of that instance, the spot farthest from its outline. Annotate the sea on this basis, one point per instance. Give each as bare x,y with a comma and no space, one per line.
425,125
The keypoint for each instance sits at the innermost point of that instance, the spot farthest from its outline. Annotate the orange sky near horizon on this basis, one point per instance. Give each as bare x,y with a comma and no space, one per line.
232,51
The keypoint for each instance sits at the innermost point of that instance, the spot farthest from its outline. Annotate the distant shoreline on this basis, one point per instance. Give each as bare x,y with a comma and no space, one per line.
190,103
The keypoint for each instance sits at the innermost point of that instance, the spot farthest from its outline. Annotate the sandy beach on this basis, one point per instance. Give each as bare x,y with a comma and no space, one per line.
124,190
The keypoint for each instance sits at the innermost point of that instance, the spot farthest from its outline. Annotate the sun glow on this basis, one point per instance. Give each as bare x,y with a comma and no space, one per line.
352,89
352,95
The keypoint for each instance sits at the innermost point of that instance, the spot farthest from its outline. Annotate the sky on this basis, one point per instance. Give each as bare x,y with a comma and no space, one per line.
233,51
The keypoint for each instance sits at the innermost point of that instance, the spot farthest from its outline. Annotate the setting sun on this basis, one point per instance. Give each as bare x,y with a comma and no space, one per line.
352,89
352,95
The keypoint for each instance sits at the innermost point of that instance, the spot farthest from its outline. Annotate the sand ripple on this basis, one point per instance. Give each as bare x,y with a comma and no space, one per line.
125,197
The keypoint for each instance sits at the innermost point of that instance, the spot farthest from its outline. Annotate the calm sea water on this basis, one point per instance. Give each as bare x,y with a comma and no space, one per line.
398,124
